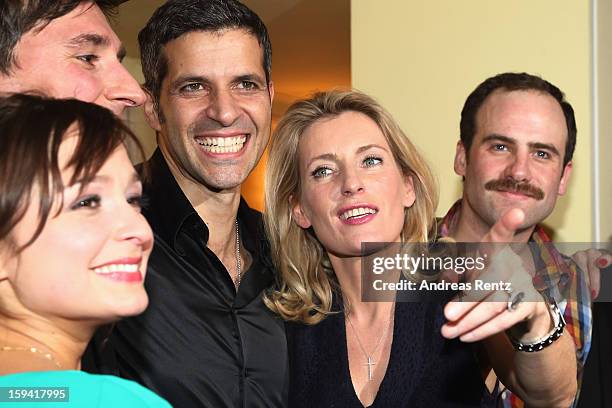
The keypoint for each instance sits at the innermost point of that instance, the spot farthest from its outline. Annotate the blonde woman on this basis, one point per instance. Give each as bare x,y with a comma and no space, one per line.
73,250
341,172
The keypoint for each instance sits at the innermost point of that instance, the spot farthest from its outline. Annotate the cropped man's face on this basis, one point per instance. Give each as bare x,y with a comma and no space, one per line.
75,56
516,157
214,107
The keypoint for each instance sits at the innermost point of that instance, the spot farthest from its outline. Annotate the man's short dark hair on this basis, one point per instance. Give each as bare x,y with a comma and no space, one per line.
178,17
509,82
17,17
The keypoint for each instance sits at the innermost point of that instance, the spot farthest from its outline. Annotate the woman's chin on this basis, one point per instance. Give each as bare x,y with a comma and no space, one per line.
364,243
138,306
132,306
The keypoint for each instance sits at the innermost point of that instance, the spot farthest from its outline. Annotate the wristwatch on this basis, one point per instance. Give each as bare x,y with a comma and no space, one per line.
550,338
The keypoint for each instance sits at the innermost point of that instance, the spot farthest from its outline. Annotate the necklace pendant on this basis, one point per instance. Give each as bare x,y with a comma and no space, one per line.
370,363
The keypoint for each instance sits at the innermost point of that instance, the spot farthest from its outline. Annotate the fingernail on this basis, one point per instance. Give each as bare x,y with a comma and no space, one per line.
602,262
451,312
451,332
593,293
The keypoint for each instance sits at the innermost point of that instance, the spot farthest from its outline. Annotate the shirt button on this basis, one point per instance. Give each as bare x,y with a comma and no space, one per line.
504,395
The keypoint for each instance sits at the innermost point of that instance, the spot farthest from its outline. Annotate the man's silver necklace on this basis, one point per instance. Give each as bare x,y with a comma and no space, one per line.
238,260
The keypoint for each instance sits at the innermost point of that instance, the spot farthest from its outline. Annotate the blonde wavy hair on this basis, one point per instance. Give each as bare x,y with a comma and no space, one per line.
306,280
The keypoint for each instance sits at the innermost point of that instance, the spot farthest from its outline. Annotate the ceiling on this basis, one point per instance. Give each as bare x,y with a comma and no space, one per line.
310,41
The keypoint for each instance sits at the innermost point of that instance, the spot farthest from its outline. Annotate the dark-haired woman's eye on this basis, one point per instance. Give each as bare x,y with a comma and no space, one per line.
90,202
138,201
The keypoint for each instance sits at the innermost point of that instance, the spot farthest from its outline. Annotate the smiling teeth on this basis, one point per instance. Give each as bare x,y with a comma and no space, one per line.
126,268
222,144
356,212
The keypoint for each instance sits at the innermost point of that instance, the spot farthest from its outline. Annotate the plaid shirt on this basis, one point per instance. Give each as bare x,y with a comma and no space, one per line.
561,279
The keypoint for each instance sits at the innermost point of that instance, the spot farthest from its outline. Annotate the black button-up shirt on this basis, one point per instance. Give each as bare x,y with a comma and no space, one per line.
199,344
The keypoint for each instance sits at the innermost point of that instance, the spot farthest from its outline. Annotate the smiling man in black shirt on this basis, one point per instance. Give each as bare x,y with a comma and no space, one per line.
207,339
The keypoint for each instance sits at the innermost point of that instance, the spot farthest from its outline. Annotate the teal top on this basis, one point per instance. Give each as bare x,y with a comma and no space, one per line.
39,389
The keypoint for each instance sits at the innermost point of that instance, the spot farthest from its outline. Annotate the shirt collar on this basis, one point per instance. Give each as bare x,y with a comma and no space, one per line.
169,211
449,219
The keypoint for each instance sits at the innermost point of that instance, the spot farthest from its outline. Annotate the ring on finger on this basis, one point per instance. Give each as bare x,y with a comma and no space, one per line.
514,299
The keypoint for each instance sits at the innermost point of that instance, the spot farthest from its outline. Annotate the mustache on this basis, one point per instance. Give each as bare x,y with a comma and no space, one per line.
513,186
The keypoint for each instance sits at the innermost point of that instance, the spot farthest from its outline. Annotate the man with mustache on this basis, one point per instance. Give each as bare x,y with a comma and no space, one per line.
207,339
518,135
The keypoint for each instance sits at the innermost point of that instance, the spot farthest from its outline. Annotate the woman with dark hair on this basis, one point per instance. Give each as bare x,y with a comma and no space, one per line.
340,173
73,248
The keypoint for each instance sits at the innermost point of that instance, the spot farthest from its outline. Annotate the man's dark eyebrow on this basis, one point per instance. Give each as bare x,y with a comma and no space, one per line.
250,77
533,145
545,146
494,137
183,79
96,40
89,38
